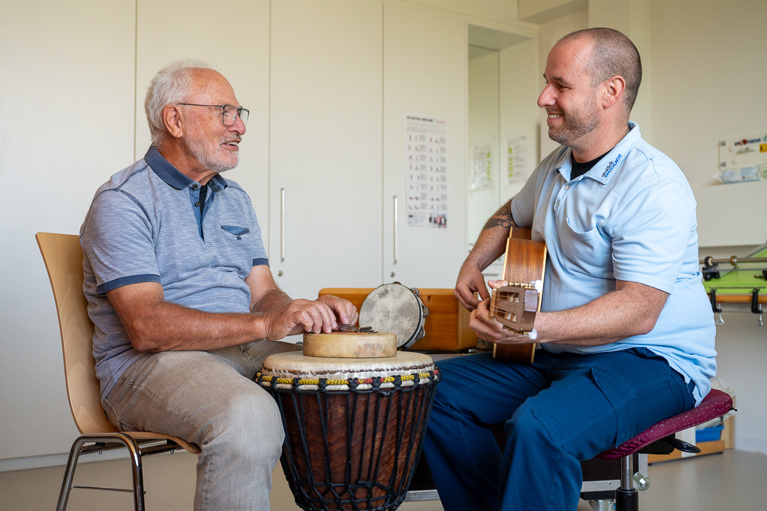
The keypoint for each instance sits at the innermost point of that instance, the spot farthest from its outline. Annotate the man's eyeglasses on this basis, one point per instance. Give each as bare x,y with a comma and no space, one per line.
229,113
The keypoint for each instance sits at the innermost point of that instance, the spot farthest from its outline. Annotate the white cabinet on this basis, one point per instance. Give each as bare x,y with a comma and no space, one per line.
235,42
344,77
325,146
425,65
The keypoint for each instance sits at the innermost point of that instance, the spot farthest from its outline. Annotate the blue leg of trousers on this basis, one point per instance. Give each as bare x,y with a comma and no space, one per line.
463,454
557,412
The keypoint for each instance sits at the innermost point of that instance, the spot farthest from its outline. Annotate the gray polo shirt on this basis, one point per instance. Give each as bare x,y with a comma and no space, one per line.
145,225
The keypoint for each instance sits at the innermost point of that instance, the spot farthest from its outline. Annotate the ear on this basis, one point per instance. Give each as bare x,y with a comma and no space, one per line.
173,123
613,90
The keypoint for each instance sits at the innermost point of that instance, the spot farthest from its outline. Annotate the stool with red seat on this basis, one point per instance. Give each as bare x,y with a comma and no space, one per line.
660,439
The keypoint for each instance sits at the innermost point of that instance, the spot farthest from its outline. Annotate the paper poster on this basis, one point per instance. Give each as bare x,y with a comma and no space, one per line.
482,165
426,172
517,164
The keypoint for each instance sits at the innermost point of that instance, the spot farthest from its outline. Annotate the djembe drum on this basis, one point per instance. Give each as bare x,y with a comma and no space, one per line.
354,426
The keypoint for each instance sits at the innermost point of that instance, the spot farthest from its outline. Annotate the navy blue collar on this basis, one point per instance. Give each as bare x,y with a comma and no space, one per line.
171,175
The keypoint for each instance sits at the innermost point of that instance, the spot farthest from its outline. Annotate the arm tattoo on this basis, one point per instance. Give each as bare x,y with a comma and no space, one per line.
501,218
497,222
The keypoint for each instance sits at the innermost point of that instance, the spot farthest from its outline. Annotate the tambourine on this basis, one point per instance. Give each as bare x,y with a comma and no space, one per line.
395,308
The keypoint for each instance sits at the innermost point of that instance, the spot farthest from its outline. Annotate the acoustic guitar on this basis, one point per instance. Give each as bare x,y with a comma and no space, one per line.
515,305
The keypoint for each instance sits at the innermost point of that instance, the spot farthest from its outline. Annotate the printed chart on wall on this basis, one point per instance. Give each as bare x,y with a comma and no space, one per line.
426,173
517,168
482,166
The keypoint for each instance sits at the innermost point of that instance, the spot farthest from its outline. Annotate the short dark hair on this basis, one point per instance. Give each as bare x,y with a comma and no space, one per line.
613,54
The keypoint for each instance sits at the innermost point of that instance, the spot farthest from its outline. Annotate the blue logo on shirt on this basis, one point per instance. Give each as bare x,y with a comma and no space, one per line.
237,231
611,166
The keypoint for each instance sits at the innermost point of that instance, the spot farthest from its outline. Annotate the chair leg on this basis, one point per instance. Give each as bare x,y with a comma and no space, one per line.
69,474
138,473
136,468
626,496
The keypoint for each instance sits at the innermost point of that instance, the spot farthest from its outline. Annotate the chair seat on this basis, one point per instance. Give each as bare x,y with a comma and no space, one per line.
144,436
715,404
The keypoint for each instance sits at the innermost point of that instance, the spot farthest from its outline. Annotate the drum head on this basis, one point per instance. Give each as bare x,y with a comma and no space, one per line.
397,309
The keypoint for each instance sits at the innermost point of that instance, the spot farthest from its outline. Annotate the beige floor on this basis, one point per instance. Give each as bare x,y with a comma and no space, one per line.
734,480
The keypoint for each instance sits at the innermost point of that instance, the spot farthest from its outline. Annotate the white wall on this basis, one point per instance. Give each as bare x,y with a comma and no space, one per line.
63,127
708,73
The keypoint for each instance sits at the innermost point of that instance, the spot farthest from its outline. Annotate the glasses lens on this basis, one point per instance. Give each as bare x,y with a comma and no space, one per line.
244,113
231,113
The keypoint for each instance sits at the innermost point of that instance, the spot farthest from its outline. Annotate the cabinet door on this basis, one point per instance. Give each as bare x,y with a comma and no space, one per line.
325,163
235,42
425,69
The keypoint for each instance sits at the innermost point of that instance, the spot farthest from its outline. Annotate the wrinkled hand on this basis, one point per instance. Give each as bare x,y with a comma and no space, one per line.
297,317
345,311
316,316
470,281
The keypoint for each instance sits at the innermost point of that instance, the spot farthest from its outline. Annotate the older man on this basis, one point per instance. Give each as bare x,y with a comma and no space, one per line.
182,298
626,332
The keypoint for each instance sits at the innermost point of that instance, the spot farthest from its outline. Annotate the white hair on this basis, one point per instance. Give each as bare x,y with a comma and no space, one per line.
168,87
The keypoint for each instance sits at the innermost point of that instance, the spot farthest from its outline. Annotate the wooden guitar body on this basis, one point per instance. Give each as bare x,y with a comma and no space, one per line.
516,304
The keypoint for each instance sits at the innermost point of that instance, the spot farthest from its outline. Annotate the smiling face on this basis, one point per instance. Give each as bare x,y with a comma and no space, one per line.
569,97
213,145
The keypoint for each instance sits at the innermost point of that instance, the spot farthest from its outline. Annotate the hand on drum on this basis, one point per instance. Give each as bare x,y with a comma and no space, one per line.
316,316
345,311
470,281
487,328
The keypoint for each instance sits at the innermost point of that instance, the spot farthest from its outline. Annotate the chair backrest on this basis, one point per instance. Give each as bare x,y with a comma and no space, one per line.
63,258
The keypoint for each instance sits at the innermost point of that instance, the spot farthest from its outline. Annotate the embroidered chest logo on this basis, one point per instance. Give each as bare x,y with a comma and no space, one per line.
611,165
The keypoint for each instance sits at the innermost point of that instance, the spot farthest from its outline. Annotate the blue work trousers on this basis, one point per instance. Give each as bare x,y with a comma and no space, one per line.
555,412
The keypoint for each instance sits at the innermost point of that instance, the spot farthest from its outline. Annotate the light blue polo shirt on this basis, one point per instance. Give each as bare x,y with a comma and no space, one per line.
631,217
144,225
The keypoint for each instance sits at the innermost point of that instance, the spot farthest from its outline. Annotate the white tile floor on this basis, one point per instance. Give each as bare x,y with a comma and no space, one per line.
734,480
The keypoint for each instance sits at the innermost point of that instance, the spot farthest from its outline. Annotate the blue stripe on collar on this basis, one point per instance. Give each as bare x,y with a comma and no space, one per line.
165,170
174,177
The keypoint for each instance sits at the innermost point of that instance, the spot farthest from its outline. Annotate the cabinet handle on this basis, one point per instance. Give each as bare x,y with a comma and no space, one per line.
282,225
395,230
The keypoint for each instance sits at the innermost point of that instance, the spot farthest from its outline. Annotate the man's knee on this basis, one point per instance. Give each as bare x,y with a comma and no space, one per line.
250,422
524,426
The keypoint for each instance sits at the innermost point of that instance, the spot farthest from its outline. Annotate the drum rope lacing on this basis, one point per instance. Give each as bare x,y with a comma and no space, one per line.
378,490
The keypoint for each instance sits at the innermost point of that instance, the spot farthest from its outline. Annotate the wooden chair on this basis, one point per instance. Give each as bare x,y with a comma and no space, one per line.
64,261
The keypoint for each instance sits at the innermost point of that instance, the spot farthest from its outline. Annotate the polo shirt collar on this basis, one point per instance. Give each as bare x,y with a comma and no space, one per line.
604,168
172,176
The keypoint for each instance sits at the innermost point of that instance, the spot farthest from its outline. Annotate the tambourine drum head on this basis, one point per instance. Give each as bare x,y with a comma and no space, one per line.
393,308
